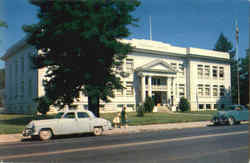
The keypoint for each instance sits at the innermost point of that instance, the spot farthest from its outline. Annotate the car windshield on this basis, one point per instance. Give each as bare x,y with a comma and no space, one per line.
59,115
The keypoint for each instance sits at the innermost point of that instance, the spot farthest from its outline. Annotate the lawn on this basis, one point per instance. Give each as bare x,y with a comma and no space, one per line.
14,123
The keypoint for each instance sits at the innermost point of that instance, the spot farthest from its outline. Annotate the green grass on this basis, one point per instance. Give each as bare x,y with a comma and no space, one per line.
159,118
15,123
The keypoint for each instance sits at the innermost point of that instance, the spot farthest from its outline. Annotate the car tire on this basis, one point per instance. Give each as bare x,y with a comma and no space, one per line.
98,131
45,134
231,121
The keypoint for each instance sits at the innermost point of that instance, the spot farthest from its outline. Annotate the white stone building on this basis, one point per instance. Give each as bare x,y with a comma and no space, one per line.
155,69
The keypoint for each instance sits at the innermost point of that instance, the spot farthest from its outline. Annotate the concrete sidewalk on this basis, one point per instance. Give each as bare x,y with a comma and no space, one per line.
10,138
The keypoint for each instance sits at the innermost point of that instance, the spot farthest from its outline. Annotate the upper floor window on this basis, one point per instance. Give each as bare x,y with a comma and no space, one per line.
207,71
207,90
22,64
215,72
215,90
129,88
181,69
200,71
222,90
129,65
16,67
174,65
181,89
200,89
22,89
221,72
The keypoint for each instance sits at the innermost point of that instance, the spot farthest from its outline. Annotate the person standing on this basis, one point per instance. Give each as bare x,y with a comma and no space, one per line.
124,117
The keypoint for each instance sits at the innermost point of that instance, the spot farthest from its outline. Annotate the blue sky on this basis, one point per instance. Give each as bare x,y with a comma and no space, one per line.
185,23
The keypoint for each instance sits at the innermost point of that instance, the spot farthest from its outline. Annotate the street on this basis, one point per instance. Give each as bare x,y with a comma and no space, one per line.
194,145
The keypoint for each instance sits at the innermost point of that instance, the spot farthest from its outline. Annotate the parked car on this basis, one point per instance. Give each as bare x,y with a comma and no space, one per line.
231,115
70,122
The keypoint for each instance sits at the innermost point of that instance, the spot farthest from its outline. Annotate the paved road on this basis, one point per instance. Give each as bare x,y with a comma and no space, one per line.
223,144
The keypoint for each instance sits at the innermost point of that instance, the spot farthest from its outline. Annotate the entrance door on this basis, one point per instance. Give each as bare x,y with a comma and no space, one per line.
157,98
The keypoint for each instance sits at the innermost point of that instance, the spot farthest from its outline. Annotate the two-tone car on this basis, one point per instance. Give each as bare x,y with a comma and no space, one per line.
69,122
233,114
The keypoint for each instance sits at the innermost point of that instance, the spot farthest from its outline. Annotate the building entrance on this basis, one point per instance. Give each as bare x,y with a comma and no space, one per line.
159,97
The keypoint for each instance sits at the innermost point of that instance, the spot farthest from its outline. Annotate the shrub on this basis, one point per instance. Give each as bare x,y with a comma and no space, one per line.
149,104
184,105
140,111
43,105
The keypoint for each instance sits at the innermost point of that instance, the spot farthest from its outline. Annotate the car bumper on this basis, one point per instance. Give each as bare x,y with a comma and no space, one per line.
27,132
219,120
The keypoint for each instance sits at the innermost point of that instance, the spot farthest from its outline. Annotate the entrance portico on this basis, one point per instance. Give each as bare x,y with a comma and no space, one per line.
158,80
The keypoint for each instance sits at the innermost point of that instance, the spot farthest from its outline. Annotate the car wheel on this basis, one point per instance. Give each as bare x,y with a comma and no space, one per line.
98,131
216,121
45,134
231,121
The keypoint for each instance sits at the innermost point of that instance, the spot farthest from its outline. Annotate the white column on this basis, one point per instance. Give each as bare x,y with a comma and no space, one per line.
169,89
149,86
142,88
174,90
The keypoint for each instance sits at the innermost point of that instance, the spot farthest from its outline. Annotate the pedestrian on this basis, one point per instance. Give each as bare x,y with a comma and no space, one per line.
117,121
124,117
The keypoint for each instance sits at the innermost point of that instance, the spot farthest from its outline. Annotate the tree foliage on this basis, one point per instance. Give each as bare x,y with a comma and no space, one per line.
43,105
184,105
244,80
224,45
149,104
3,24
79,43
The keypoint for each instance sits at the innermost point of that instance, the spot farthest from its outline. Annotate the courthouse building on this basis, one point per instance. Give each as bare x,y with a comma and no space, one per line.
153,68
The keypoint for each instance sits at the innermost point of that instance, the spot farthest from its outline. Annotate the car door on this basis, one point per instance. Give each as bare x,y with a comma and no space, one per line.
243,114
83,123
68,124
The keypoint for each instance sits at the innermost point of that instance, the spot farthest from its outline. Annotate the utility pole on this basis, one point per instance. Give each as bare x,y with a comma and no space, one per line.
237,60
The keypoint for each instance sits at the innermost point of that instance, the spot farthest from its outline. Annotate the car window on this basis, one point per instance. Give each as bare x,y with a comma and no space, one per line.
82,115
70,115
59,115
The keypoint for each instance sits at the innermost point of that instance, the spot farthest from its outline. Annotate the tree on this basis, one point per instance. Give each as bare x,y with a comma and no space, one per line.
3,24
224,45
79,43
244,83
184,105
2,78
149,104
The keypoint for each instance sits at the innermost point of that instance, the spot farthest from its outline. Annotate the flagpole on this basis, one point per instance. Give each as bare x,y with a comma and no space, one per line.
237,60
150,28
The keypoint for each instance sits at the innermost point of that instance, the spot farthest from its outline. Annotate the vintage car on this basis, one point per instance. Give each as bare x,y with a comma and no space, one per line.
70,122
231,115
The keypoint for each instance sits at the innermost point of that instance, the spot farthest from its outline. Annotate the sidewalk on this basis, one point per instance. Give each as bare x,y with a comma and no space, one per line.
130,129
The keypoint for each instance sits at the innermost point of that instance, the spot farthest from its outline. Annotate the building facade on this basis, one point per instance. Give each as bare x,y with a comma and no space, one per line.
153,69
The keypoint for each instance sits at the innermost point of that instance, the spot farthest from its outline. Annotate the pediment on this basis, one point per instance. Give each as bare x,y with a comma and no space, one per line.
157,66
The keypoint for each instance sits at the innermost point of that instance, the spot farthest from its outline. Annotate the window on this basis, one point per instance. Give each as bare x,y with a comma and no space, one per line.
208,106
200,71
221,72
215,90
215,106
82,115
22,64
222,90
120,105
129,88
181,69
181,89
207,90
201,106
119,92
129,65
70,115
119,68
215,72
16,68
174,65
200,90
130,105
207,71
30,87
85,107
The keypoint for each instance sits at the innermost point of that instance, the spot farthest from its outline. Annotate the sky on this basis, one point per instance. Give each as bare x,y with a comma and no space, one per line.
184,23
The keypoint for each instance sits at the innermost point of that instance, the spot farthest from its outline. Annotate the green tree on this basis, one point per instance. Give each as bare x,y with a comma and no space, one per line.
244,77
149,104
3,24
79,40
184,105
224,45
2,78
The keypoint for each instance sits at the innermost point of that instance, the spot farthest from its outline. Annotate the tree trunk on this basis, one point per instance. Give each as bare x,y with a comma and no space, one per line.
93,105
